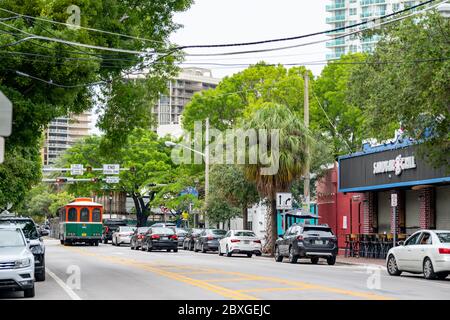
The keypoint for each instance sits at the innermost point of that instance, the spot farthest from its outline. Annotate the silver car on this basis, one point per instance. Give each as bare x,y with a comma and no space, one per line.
16,262
425,251
122,235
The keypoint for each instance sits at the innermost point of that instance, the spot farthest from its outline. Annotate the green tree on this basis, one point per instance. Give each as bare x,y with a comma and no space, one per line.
143,151
406,83
294,141
36,102
229,185
339,122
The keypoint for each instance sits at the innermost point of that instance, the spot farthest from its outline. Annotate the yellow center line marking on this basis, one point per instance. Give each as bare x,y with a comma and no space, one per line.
272,289
229,279
229,293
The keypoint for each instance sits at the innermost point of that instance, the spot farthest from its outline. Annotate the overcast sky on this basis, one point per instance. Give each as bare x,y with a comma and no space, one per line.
229,21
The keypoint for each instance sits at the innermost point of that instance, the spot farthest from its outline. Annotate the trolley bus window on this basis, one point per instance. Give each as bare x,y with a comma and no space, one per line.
72,214
96,215
84,215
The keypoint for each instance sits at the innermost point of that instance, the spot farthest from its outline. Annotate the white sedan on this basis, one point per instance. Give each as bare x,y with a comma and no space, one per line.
426,251
122,235
240,241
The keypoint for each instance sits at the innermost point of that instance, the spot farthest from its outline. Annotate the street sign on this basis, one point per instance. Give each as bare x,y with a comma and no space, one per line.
284,200
394,200
2,149
76,169
6,108
111,169
112,179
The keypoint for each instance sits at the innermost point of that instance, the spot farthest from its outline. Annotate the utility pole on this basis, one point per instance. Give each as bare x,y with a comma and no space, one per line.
207,161
306,121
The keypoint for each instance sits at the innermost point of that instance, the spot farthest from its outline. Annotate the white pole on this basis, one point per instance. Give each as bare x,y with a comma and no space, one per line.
207,161
306,121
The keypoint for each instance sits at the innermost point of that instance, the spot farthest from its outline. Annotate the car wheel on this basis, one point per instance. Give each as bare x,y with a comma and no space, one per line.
168,250
442,275
195,248
220,252
392,267
292,256
314,260
29,293
132,245
96,243
331,260
105,241
149,248
40,276
62,241
428,270
258,254
117,243
203,248
229,254
278,256
249,255
175,250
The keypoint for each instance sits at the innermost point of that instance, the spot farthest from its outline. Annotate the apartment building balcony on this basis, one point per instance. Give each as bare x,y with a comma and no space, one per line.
334,55
336,43
57,131
57,145
334,19
371,2
335,6
79,133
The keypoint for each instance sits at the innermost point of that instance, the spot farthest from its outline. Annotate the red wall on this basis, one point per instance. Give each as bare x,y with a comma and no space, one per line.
333,206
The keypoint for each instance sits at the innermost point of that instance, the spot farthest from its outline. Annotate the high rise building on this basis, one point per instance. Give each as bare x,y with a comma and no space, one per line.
344,13
62,133
169,107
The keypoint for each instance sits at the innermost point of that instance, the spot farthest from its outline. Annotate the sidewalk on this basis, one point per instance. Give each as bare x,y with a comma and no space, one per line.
359,261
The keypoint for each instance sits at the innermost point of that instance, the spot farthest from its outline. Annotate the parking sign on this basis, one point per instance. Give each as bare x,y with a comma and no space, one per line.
111,169
76,169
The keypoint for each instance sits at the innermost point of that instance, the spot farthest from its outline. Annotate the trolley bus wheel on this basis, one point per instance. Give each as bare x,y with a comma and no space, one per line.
96,243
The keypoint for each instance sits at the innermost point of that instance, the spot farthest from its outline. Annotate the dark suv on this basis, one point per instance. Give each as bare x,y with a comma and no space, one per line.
110,226
37,247
307,241
209,240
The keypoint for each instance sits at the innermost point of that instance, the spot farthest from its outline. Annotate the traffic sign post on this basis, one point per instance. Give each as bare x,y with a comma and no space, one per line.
2,149
6,108
284,200
111,169
76,169
112,179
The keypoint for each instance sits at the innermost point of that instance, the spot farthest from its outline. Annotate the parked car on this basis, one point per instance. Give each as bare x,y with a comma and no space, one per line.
36,243
181,234
109,227
425,251
122,235
164,225
307,241
209,240
137,237
189,239
240,241
159,238
16,261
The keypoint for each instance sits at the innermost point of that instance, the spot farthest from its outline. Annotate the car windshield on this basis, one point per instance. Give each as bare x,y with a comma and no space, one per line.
126,229
11,238
444,237
321,232
162,231
181,232
218,232
28,227
143,230
244,234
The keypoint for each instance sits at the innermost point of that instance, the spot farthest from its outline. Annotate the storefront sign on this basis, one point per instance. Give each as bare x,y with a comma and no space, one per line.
396,165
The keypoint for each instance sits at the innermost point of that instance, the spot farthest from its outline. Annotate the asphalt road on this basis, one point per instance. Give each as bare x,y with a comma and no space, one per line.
108,272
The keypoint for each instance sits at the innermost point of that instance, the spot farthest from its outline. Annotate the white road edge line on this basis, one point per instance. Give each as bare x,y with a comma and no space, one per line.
65,287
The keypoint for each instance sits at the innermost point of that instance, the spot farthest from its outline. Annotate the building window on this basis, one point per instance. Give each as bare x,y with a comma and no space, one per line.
395,7
352,11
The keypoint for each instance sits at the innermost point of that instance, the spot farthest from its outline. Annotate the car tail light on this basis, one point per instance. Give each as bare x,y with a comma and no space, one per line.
235,240
174,237
257,241
155,236
444,250
210,238
300,238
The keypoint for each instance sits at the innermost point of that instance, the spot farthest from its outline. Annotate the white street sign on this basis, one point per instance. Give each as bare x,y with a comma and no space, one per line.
2,149
6,108
112,179
394,200
284,200
76,169
111,169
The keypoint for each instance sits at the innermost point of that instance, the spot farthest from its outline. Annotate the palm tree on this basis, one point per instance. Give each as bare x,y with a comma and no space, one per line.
293,157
